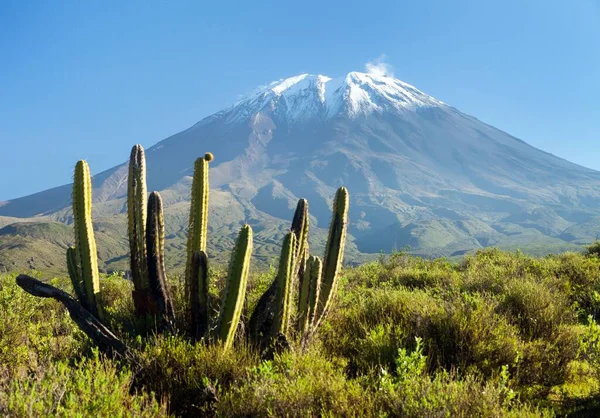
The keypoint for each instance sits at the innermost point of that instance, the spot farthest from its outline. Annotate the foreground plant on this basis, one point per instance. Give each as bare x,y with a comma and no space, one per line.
272,320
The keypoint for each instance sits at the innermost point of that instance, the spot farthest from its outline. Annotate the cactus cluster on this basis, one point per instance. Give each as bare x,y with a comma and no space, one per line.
316,281
273,318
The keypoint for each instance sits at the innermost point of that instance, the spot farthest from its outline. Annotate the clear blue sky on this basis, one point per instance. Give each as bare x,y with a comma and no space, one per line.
88,79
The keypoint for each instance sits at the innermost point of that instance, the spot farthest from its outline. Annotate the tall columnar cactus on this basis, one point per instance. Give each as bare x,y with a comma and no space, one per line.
310,285
334,253
199,296
235,288
136,216
198,222
300,229
86,263
155,244
283,298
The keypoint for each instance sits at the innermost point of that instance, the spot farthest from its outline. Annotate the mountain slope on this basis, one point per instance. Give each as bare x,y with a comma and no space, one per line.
420,173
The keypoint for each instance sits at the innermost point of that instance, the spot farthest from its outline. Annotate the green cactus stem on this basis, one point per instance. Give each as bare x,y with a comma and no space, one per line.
199,296
334,253
160,303
136,216
316,271
85,243
235,288
283,298
310,283
198,222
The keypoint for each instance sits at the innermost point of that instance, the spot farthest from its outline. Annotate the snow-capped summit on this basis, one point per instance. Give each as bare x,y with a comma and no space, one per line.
307,95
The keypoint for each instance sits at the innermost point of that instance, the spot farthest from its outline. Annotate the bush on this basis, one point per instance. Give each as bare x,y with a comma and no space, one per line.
90,387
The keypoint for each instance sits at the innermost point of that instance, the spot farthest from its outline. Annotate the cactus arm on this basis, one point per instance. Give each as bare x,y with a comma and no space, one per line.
235,288
136,216
300,228
75,273
199,295
85,242
198,222
155,244
334,252
303,295
284,285
314,288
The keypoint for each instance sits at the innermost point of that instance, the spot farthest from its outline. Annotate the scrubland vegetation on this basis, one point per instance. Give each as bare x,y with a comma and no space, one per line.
499,334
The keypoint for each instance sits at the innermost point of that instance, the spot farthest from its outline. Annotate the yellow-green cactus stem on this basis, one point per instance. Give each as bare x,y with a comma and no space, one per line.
334,252
198,222
85,243
235,288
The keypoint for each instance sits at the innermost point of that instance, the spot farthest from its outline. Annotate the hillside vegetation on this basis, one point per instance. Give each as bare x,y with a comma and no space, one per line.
500,334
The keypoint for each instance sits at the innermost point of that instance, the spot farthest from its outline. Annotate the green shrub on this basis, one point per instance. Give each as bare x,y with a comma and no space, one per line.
90,387
296,385
188,374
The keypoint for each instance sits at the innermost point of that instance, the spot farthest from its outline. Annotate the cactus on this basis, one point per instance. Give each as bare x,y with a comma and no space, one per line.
198,221
310,284
334,253
283,297
136,215
74,273
235,288
316,272
161,303
300,228
85,244
199,296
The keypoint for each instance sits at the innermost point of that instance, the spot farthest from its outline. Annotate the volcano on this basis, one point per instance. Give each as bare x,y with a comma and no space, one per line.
420,174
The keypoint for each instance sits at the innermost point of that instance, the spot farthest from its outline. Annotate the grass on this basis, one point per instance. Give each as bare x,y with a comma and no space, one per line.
499,334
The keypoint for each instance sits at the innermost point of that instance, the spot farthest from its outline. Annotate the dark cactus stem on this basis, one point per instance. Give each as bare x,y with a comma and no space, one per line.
161,303
283,297
136,226
300,227
74,273
199,296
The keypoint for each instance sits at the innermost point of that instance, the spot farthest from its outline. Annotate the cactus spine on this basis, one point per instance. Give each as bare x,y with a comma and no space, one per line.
136,216
85,243
283,297
198,223
199,295
155,244
235,288
334,253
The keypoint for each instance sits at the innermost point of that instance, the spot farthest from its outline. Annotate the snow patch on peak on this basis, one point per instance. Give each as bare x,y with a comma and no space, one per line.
307,95
287,83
